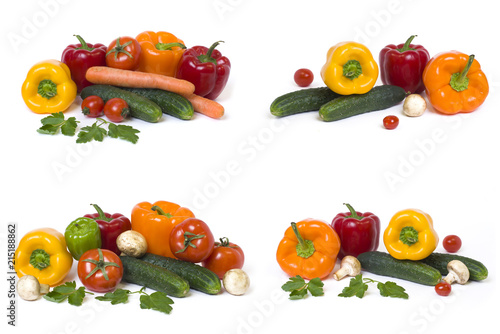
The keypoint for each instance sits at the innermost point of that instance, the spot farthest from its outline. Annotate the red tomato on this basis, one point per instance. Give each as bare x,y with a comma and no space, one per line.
225,256
191,240
92,106
116,109
443,289
100,270
303,77
123,53
391,122
452,243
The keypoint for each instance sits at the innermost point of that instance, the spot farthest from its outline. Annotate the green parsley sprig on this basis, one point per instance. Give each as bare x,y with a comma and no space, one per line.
299,288
156,301
67,291
358,286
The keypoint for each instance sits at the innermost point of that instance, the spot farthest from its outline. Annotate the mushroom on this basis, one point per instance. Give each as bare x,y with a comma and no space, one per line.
132,243
414,105
349,266
236,282
29,288
457,272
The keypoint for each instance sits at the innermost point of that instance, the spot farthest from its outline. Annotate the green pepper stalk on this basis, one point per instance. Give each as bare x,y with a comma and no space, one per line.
82,235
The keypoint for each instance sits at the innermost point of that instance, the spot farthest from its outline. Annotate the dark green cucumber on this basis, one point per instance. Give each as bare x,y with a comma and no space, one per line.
170,103
378,98
477,270
385,265
140,107
154,277
199,278
303,100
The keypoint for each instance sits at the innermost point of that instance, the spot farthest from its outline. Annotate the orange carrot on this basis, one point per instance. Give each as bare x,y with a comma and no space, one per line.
206,106
113,76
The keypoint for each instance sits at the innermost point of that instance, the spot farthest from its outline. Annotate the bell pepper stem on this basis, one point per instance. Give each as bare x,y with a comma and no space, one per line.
408,235
352,69
305,248
208,56
40,259
169,46
160,211
406,46
353,212
102,216
459,81
84,44
47,89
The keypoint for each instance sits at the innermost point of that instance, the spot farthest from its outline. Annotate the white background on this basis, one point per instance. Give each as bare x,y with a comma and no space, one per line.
280,170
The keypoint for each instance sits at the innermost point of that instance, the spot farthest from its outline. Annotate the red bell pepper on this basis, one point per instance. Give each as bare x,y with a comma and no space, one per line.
358,232
80,57
403,64
206,68
111,227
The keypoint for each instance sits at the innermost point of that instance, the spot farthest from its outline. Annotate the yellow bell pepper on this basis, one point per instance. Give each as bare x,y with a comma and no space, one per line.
349,69
410,235
48,87
42,253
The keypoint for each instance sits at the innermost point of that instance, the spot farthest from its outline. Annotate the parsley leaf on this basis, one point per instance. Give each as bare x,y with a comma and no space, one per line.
357,287
125,132
55,122
89,133
67,291
119,296
391,289
157,301
298,287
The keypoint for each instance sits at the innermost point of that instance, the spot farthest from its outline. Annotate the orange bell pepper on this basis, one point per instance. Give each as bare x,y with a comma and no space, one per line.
155,222
454,83
160,52
309,249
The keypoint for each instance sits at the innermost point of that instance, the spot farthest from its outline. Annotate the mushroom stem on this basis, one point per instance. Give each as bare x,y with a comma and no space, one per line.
349,266
457,272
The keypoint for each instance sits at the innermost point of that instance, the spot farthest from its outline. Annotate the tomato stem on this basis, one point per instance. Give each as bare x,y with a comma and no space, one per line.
100,265
188,237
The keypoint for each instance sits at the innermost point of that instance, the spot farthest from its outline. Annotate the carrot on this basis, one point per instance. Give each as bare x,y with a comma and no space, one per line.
206,106
113,76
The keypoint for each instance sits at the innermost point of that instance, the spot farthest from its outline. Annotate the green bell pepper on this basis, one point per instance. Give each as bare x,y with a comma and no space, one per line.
82,235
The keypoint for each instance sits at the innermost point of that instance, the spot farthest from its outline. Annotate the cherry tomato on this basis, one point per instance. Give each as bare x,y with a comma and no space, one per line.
92,106
191,240
391,122
100,270
443,289
116,109
303,77
123,53
452,243
225,256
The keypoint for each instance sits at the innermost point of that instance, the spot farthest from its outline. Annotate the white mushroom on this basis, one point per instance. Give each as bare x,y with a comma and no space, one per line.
132,243
236,282
458,272
414,105
29,288
349,266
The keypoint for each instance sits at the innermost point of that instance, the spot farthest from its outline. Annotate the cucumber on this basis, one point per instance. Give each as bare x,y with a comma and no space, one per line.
378,98
302,100
199,278
170,103
477,270
140,107
154,277
385,265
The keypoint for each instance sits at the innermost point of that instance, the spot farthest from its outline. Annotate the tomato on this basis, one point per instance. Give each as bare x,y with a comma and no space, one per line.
303,77
225,256
92,106
123,53
116,109
191,240
443,289
452,243
391,122
100,270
